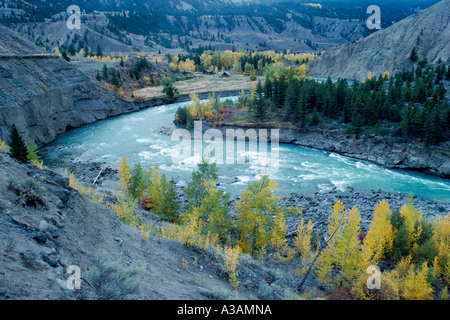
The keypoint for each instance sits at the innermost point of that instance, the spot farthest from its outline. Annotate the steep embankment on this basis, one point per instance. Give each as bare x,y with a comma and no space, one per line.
389,49
46,226
44,95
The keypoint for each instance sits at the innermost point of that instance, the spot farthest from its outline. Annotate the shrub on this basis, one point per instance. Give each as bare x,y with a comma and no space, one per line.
170,90
33,156
4,147
111,281
88,192
388,289
30,193
124,210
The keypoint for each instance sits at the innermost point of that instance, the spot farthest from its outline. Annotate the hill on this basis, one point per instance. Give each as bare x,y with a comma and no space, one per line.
160,25
46,226
390,49
44,95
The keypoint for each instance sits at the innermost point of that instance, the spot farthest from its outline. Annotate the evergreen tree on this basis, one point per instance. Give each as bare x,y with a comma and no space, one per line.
65,56
268,89
170,90
114,80
314,118
105,72
347,111
279,94
137,182
99,51
414,57
72,49
259,103
291,98
300,113
170,205
32,152
17,145
356,123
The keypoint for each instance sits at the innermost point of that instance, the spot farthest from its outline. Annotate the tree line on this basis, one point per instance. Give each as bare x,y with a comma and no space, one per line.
413,102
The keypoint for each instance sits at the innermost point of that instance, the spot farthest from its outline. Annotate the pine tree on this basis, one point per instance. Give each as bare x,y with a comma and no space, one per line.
268,88
300,113
105,72
347,111
99,51
414,57
259,102
170,205
314,118
137,182
291,98
17,145
65,56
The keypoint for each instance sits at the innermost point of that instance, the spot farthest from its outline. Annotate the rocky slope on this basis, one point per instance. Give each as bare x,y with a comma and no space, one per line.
46,226
389,49
44,95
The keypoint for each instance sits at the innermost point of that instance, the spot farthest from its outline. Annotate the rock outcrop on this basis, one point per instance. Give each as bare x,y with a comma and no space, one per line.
389,49
44,95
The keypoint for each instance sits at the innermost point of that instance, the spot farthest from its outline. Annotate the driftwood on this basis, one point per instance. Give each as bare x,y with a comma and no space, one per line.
98,176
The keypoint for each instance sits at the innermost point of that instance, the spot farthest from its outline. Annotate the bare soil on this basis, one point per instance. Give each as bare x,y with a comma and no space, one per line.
201,83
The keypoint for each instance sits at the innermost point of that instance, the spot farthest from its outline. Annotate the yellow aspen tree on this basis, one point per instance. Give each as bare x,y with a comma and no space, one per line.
379,238
302,240
278,241
413,221
124,172
339,262
230,262
191,229
326,259
415,285
3,146
441,239
255,208
124,210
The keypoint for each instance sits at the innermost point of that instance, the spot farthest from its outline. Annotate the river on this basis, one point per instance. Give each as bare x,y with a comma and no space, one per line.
145,137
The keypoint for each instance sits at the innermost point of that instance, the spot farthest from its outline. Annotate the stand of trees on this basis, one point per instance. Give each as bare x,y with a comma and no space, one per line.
412,101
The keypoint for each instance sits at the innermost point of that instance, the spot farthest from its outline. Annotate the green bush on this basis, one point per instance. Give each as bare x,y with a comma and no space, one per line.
111,281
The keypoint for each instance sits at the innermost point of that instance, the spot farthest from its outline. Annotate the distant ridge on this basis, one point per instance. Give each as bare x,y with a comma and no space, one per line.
389,49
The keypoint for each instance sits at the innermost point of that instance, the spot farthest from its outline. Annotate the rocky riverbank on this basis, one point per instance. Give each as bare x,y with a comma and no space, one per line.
316,207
